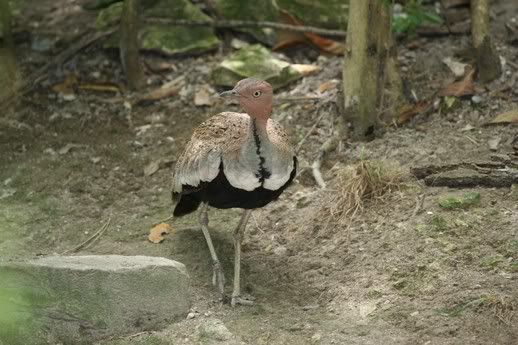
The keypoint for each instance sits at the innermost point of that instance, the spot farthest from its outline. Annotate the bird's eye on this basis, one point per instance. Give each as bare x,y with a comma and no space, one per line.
257,93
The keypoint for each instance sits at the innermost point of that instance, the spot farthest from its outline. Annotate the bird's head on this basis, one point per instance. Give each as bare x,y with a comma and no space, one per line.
255,97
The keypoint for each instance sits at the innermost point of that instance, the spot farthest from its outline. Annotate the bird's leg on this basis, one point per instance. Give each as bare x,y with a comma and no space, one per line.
218,279
238,238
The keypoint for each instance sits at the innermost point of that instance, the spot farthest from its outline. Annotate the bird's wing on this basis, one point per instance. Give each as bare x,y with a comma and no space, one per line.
279,138
220,135
281,161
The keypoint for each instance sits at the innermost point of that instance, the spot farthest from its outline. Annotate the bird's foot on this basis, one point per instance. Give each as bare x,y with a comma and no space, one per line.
241,301
218,278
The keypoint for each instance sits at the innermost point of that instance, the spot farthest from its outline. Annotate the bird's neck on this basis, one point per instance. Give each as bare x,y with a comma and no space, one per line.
258,127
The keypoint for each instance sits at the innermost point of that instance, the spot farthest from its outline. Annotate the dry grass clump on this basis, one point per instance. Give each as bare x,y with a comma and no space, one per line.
504,309
355,184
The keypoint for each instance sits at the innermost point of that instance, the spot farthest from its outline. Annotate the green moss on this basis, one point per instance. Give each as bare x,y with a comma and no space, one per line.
254,61
330,14
20,297
108,16
165,38
98,4
178,40
410,280
491,261
464,202
460,308
250,10
438,223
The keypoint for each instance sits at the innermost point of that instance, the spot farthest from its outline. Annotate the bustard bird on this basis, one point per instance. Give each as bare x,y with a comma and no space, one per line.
234,160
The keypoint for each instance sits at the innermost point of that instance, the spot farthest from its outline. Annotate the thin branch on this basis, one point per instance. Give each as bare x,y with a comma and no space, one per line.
90,239
299,146
231,24
35,78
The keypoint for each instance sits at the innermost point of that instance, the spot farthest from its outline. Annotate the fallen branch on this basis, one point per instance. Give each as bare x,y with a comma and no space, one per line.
90,239
422,172
231,24
469,174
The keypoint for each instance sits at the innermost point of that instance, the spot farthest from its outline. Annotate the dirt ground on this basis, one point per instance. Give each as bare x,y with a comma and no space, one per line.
393,276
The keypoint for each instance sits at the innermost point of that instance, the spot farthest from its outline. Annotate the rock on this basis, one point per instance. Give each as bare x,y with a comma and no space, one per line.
213,331
254,61
78,299
165,38
493,143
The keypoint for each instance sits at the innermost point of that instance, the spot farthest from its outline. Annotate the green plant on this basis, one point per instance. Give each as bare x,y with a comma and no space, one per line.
411,15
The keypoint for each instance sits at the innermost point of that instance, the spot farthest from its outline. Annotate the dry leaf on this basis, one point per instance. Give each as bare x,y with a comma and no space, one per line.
305,69
507,117
152,168
66,87
328,85
286,38
464,87
493,143
458,68
202,97
408,111
159,66
156,165
156,232
168,89
326,44
65,149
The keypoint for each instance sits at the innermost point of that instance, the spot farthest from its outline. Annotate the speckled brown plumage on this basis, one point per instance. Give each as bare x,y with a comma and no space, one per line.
242,160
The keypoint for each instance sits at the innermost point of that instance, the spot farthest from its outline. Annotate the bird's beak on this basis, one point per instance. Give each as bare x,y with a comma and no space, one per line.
230,93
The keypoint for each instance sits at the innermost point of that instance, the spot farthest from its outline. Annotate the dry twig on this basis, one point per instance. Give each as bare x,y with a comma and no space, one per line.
299,146
232,24
90,239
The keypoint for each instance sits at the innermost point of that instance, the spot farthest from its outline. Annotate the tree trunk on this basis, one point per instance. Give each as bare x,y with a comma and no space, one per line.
488,62
8,75
129,45
369,65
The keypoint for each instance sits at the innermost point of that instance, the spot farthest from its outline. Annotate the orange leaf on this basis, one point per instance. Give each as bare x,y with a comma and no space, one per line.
156,232
328,85
408,111
289,38
325,44
464,87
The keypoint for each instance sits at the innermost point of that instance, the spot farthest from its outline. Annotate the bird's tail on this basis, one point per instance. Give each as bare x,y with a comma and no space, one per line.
187,204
